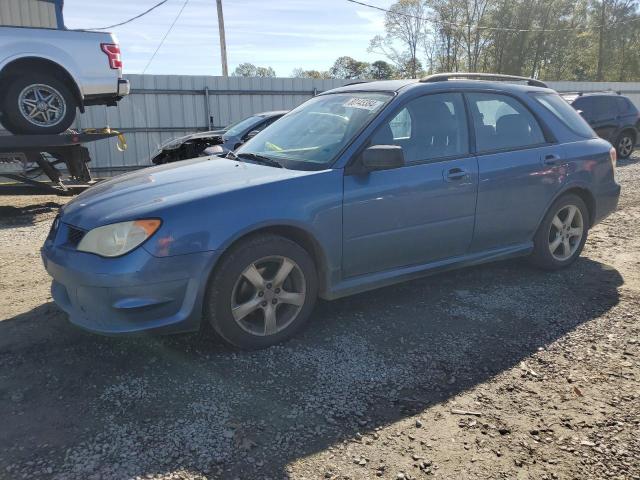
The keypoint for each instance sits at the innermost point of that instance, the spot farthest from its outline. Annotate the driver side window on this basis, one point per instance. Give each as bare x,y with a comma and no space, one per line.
427,128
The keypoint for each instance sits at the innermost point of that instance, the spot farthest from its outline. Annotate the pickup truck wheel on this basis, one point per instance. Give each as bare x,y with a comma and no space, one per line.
38,104
262,292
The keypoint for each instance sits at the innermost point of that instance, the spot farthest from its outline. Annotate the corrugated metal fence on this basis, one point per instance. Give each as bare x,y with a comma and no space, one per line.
28,13
630,89
161,107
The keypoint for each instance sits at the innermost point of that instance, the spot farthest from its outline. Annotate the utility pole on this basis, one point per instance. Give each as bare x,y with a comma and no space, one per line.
223,41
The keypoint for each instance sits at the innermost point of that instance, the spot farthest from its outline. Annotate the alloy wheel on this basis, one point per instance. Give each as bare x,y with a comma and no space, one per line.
268,295
625,146
565,233
42,105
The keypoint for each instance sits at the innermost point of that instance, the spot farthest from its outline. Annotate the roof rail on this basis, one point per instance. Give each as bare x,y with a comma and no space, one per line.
587,92
440,77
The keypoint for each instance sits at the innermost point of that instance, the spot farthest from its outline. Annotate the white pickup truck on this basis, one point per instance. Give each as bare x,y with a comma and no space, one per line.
46,73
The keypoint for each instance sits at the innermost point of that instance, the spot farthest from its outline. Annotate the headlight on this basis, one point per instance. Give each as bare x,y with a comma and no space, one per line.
118,238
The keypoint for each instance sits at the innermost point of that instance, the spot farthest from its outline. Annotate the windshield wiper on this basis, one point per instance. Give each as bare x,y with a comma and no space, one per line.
259,159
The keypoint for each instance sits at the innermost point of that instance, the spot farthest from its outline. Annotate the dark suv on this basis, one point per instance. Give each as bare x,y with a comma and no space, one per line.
613,116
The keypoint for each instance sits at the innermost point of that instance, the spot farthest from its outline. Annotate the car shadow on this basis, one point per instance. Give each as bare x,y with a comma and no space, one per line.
87,405
625,162
12,217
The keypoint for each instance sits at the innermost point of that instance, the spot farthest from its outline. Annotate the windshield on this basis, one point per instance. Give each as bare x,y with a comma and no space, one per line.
238,128
316,131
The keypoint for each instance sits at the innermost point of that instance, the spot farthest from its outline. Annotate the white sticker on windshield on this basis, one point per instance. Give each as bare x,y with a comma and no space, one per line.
363,103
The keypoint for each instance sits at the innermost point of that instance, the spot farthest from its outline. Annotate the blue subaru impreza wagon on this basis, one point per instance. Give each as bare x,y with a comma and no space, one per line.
360,187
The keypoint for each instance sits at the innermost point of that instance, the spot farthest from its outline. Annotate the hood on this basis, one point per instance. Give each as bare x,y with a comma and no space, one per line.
147,192
175,143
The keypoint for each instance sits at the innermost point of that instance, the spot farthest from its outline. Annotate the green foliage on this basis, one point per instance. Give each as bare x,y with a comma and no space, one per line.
380,70
553,39
250,70
348,68
318,75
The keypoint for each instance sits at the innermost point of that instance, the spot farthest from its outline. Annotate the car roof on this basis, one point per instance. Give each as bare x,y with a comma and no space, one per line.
451,84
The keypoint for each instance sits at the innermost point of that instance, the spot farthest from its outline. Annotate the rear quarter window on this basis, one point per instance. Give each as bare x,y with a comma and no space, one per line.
565,113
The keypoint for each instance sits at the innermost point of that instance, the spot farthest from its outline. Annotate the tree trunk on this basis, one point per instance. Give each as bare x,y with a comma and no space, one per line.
599,74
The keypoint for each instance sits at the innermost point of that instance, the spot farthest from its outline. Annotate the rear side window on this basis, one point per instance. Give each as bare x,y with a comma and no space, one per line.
625,107
502,122
605,108
565,113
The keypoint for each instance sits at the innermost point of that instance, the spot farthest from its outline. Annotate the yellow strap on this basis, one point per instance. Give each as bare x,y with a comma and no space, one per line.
122,141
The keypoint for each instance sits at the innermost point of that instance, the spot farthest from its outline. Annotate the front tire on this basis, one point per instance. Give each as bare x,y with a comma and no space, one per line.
262,293
625,144
562,233
38,104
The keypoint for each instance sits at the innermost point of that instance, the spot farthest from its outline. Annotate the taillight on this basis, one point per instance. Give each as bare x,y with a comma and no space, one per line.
113,53
613,156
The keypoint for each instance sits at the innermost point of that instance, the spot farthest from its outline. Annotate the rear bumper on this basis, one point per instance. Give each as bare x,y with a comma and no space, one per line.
124,88
131,294
606,203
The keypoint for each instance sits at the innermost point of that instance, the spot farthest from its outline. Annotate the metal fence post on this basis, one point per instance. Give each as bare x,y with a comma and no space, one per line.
207,107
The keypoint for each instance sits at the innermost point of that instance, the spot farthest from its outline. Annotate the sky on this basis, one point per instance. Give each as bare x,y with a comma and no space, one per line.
283,34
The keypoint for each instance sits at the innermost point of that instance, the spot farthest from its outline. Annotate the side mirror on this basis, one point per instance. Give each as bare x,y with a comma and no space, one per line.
383,157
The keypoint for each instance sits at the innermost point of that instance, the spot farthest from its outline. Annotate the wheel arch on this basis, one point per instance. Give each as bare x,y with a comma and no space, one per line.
629,129
293,232
30,64
581,191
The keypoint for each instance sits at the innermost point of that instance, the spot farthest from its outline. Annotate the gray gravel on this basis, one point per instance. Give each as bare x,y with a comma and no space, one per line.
499,371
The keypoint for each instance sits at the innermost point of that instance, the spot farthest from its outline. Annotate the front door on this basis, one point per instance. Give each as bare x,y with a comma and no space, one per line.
424,211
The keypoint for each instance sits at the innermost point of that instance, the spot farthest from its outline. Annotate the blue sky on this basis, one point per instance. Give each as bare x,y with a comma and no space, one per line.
283,34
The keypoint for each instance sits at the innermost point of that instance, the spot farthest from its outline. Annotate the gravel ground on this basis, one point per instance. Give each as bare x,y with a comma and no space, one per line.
499,371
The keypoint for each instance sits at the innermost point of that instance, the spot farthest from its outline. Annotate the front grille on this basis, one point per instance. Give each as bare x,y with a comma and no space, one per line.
74,235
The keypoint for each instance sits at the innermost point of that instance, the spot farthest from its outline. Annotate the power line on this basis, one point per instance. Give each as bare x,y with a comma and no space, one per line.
165,35
498,29
131,19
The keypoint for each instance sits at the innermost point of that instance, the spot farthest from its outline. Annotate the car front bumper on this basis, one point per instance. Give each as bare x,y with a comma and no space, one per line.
131,294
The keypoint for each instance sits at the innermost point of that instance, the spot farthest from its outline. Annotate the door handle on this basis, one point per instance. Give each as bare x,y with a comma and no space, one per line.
455,174
551,159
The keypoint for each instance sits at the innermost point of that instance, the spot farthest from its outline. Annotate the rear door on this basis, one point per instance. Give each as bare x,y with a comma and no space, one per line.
627,113
424,211
518,170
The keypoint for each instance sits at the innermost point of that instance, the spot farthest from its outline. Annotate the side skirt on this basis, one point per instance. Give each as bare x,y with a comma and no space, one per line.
371,281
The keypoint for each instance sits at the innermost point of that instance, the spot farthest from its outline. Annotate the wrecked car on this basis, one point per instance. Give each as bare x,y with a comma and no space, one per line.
214,142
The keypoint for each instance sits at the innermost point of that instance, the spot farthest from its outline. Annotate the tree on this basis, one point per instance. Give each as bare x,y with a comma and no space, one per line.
250,70
405,27
381,70
316,74
348,68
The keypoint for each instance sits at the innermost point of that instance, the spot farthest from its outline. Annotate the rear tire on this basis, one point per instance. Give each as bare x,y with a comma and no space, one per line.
262,292
625,144
38,103
562,233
